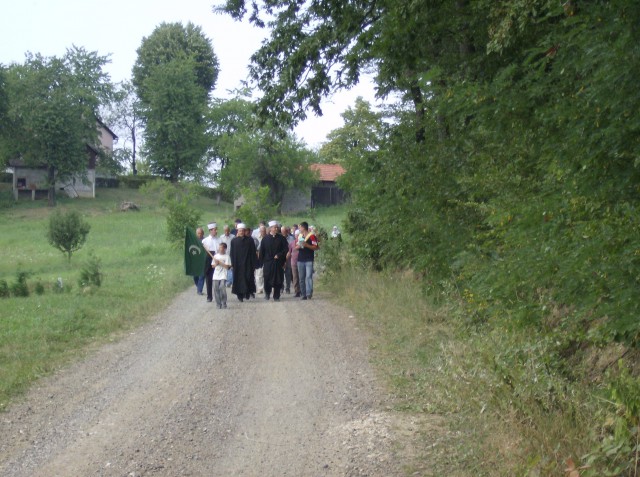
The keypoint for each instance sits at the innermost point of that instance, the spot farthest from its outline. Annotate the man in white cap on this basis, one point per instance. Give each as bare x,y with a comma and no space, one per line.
243,262
227,237
273,253
210,244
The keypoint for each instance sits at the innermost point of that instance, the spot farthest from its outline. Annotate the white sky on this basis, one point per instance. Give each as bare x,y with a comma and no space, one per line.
116,27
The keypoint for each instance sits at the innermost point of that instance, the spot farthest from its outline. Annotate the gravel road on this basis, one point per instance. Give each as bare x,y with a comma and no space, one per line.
261,388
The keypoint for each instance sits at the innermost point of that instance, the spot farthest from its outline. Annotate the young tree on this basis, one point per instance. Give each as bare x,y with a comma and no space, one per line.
174,73
67,231
52,108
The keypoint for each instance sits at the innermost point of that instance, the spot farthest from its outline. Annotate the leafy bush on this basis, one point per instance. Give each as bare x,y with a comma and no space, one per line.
6,199
39,288
19,288
4,289
67,231
91,273
256,205
137,181
177,199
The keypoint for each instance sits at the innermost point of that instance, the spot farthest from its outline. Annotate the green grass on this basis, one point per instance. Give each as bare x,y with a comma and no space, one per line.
141,271
436,365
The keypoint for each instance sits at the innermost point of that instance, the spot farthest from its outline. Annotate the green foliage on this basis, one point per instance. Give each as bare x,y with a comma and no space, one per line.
91,273
175,71
171,42
137,181
256,205
175,141
20,288
39,288
53,104
618,451
506,175
124,116
67,231
4,289
249,153
181,213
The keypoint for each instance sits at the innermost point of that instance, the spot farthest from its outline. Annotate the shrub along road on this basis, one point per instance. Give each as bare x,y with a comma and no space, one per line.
257,389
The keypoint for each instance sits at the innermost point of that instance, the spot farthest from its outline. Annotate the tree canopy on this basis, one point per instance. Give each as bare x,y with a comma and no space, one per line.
171,42
253,155
52,106
175,71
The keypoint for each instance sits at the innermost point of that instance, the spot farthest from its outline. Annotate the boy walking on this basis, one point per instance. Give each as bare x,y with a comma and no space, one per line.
222,263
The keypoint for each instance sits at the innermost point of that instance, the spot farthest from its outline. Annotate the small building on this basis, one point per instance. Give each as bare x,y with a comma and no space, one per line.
31,181
325,192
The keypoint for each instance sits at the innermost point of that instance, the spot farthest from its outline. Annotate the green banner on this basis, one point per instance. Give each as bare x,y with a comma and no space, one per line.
194,254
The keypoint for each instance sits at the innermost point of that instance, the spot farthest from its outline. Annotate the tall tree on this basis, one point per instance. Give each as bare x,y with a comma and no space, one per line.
175,141
174,73
52,110
123,115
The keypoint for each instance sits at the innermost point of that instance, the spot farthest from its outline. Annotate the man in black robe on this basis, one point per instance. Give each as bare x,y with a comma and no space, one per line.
243,262
273,253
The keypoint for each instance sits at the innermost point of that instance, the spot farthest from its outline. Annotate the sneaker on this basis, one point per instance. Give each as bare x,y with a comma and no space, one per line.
297,295
276,299
219,307
240,298
267,297
224,306
304,298
209,300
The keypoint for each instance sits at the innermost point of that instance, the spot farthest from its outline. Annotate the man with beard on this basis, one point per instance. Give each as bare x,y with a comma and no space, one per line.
243,263
273,253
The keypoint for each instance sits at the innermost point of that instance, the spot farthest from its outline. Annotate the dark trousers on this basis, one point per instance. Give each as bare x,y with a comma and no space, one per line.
268,288
209,281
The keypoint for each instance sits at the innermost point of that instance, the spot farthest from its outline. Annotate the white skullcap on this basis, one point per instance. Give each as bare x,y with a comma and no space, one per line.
241,226
297,232
273,223
212,225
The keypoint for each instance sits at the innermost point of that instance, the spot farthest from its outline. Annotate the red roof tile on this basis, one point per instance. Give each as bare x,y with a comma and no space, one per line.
328,172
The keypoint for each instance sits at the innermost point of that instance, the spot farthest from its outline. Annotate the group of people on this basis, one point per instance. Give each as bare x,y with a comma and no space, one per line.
267,260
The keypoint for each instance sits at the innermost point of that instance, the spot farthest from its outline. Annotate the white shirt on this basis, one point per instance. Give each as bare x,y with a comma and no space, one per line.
211,243
220,272
227,240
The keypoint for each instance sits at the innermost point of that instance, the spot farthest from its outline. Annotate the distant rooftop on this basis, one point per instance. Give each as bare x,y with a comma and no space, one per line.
328,172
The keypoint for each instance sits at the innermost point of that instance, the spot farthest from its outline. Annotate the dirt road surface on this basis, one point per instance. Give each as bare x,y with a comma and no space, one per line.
259,389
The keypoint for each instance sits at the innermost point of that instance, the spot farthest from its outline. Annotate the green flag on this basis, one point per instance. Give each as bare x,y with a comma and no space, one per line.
194,254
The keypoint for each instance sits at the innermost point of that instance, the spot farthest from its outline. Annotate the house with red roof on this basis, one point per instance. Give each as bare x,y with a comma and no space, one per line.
324,192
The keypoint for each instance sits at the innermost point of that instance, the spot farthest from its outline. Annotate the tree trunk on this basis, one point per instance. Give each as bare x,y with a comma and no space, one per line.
51,179
418,102
133,153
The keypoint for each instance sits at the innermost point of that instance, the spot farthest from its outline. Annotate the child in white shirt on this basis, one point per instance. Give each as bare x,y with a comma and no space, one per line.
222,263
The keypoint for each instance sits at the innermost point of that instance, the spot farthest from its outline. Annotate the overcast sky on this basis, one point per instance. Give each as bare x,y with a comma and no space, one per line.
116,27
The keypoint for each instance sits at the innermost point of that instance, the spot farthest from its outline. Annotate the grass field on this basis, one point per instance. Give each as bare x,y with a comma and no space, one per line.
142,272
